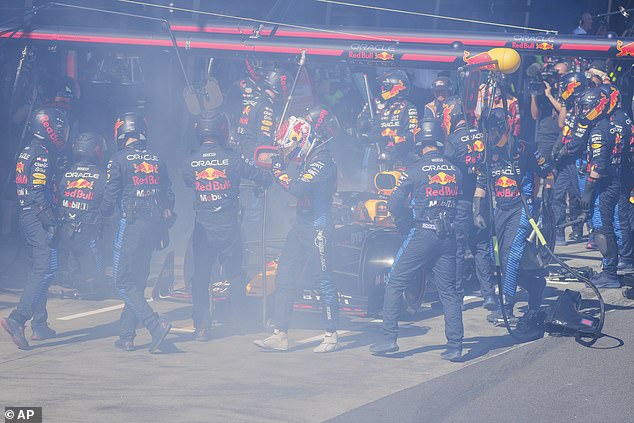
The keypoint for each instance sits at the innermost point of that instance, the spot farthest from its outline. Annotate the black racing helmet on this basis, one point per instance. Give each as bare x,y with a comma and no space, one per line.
495,120
256,68
430,134
130,125
394,84
213,126
89,147
277,81
50,125
451,115
614,97
324,124
496,123
594,104
571,86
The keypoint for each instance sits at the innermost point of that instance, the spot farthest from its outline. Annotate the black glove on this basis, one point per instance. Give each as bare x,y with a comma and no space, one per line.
478,219
404,223
53,241
559,153
277,163
588,195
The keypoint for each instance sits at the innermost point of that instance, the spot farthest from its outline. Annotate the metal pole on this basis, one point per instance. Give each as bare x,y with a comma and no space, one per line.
263,257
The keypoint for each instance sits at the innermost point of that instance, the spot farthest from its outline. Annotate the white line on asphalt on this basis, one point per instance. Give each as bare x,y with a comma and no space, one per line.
182,330
93,312
320,337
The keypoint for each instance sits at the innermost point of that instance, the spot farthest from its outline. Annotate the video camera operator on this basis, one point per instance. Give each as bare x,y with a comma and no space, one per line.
545,107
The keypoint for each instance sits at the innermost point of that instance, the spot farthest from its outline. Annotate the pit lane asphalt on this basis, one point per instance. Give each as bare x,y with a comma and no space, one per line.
81,377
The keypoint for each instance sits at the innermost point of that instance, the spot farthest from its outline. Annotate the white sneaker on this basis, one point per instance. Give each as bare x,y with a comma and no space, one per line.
277,342
329,344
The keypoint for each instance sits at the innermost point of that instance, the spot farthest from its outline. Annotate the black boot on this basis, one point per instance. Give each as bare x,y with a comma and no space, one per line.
452,354
202,334
16,331
530,326
43,332
496,317
388,345
490,303
125,344
159,333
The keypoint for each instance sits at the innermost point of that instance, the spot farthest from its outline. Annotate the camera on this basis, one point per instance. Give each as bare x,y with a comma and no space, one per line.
537,75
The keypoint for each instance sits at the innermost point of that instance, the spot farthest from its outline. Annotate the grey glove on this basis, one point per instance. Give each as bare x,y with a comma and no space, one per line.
478,219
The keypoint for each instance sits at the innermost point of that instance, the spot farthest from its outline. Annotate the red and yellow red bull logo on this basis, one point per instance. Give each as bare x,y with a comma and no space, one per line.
388,132
19,167
505,182
478,146
446,117
624,49
479,58
384,55
614,98
597,111
117,125
212,179
447,184
80,183
210,174
145,167
506,187
442,178
570,89
544,46
396,88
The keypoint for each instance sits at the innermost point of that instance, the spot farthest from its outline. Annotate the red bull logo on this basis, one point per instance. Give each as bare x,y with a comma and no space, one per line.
614,98
570,90
80,183
210,174
478,146
544,46
446,118
597,111
506,182
19,167
145,167
396,88
479,58
442,178
384,55
624,49
388,132
117,125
